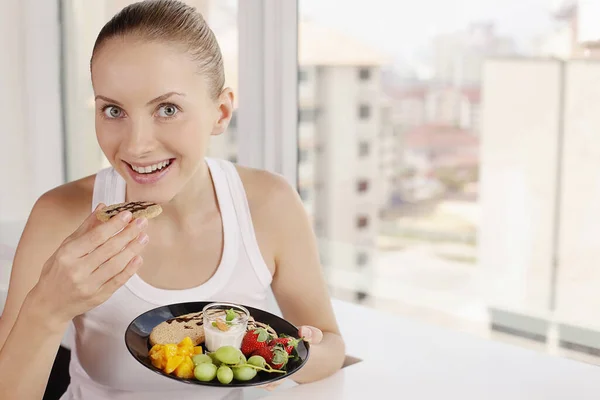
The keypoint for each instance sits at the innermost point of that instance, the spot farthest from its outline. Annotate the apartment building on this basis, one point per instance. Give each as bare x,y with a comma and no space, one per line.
341,124
576,33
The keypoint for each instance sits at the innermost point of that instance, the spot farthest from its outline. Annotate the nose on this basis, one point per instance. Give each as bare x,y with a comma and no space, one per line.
139,140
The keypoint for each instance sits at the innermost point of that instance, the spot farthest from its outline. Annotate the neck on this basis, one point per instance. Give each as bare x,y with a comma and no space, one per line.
193,201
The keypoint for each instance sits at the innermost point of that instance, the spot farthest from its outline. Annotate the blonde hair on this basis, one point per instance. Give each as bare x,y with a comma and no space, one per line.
170,21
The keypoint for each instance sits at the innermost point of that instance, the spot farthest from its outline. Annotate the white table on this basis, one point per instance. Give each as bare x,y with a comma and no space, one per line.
434,363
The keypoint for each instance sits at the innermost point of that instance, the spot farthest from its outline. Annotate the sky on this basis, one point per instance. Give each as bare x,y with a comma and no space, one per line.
404,28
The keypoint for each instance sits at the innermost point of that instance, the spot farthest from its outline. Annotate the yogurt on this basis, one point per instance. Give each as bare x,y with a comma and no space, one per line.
224,325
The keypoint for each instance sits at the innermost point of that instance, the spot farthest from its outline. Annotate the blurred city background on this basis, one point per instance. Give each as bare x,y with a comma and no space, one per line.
448,156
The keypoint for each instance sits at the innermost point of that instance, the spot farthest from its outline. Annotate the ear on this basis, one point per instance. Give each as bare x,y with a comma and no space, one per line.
225,109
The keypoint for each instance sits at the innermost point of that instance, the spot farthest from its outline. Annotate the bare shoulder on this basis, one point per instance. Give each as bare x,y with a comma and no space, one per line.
70,203
266,190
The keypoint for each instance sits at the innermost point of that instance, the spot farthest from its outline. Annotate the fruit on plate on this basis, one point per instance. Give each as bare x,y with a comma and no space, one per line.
224,374
288,342
254,340
205,372
175,358
201,358
244,373
185,369
275,355
229,355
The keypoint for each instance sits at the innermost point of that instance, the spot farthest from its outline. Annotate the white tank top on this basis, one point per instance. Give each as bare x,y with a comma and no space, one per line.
101,367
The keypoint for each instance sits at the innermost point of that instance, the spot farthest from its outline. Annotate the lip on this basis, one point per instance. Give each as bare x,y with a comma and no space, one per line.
149,179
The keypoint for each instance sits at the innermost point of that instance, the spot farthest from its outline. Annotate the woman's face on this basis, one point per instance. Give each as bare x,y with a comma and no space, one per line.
154,115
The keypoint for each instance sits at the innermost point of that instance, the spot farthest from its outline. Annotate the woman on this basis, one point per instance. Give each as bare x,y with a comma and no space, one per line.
226,233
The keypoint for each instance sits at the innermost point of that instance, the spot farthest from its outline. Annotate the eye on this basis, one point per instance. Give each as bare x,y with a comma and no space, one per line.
167,110
112,112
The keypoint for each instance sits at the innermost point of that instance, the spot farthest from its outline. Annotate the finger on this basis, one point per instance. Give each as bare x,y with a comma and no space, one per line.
311,334
119,262
99,234
118,280
116,243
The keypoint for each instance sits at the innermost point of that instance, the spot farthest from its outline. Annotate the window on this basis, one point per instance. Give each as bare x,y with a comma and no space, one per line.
362,186
303,155
302,75
362,259
233,121
362,222
363,149
304,194
364,111
430,210
306,115
364,74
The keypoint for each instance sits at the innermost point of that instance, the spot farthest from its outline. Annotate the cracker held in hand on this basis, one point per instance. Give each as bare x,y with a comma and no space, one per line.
146,209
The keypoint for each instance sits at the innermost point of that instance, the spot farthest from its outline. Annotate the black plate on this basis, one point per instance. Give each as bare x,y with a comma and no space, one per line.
138,333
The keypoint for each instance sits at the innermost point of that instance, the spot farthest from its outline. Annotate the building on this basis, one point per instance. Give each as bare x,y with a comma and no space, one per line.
440,159
340,126
576,33
459,56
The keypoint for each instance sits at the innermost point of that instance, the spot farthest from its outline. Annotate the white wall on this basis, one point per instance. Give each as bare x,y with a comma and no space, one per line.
518,182
30,133
31,157
578,302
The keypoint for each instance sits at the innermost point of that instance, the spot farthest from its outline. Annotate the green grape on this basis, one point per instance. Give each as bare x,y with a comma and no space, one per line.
257,361
205,372
242,360
214,359
224,374
201,359
244,373
228,355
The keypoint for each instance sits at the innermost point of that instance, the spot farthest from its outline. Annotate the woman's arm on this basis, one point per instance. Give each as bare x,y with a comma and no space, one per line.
55,277
29,339
299,285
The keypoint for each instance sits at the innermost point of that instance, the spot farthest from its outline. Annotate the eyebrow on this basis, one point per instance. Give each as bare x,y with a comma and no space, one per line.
153,101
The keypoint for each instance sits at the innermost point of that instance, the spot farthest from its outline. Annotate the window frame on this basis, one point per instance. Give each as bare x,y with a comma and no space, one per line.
268,86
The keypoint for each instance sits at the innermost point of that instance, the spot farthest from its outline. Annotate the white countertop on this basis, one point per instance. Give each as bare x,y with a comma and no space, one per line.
435,363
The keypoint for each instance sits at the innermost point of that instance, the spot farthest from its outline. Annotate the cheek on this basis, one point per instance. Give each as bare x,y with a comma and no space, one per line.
190,137
108,139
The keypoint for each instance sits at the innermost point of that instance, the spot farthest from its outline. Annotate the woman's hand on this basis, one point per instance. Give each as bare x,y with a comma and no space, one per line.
89,266
309,334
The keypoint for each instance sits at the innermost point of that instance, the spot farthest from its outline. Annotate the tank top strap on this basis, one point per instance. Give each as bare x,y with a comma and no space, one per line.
244,221
109,187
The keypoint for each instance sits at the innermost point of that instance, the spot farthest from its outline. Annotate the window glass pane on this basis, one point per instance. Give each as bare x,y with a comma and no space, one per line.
83,20
456,161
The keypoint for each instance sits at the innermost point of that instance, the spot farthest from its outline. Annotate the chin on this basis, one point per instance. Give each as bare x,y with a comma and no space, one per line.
155,195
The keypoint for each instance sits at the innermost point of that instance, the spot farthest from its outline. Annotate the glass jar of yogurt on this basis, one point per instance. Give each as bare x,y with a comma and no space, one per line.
224,325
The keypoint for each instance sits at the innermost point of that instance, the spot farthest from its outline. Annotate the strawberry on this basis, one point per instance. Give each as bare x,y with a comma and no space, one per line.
274,355
288,342
254,340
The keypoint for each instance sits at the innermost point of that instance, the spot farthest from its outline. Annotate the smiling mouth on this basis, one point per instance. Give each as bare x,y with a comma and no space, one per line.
151,168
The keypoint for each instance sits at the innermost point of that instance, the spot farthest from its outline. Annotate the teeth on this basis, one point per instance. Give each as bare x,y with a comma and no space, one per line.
150,168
